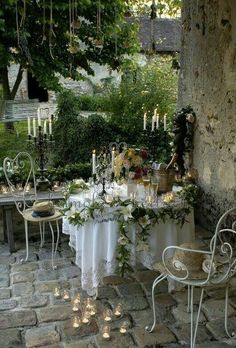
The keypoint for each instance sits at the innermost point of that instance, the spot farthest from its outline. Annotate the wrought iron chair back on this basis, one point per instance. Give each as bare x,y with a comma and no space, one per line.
27,194
219,262
216,266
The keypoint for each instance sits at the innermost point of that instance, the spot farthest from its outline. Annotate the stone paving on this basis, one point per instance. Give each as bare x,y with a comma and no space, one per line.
32,317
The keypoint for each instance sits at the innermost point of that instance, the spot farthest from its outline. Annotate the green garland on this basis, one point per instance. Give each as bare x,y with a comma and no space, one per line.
132,212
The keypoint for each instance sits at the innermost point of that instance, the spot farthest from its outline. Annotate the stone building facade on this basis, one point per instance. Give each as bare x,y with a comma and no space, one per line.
208,84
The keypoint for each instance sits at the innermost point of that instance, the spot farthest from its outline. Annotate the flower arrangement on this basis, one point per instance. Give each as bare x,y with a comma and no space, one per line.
76,186
132,160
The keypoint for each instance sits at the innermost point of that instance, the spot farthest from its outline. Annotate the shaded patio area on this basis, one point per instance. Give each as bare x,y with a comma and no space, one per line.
32,317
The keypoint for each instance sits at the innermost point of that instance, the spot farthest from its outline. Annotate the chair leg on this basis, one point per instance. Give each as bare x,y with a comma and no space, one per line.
226,312
41,234
188,306
54,250
156,281
193,332
26,240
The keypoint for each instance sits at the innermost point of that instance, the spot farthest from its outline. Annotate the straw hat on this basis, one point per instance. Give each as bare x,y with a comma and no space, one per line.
182,260
42,209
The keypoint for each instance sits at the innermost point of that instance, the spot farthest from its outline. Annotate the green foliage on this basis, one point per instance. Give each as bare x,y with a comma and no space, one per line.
152,86
93,103
69,172
76,136
46,47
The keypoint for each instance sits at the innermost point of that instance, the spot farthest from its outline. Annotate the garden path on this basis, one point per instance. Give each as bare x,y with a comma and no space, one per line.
32,317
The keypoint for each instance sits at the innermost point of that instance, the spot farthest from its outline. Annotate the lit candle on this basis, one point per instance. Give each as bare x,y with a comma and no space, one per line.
50,127
113,159
39,116
75,306
94,162
29,127
155,112
107,315
106,332
76,322
165,122
34,127
145,121
93,310
124,327
118,310
45,127
66,295
57,293
86,317
157,125
77,300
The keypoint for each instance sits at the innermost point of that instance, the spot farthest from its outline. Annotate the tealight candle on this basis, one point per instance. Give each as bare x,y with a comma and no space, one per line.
57,293
107,315
77,299
4,190
86,317
106,332
75,306
66,295
76,322
118,310
124,327
93,310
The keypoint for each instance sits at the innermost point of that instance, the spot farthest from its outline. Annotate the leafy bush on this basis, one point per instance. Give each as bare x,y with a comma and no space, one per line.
93,103
69,172
152,86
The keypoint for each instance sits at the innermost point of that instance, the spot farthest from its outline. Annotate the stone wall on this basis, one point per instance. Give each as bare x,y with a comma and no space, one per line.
208,83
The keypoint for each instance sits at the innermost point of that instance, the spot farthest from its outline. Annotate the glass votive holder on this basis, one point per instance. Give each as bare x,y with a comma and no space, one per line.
56,185
124,327
75,306
19,187
4,189
107,315
106,332
27,188
66,295
86,316
57,293
150,199
118,310
77,299
76,322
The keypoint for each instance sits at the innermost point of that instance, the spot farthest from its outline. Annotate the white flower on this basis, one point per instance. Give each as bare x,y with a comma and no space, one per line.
123,240
144,221
127,212
190,118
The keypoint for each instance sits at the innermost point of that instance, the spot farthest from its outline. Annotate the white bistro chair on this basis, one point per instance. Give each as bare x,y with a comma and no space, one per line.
201,268
26,199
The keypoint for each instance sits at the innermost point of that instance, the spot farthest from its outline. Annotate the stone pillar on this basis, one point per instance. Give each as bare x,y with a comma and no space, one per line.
208,83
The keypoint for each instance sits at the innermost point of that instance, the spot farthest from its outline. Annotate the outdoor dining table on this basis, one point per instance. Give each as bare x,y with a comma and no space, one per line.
95,241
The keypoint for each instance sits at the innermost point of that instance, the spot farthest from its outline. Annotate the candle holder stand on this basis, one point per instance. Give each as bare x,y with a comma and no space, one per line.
41,143
150,141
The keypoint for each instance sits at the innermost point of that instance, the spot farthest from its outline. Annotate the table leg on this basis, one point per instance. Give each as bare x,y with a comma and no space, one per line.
8,227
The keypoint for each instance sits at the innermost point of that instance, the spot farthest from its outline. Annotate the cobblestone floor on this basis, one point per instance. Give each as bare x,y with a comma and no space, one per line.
32,317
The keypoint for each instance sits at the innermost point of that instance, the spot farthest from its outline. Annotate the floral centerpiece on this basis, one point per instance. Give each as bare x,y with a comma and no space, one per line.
76,186
133,161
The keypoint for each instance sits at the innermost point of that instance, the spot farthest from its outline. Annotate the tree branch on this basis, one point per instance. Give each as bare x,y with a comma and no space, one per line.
5,83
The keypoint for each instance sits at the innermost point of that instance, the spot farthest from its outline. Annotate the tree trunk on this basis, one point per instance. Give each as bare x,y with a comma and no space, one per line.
7,93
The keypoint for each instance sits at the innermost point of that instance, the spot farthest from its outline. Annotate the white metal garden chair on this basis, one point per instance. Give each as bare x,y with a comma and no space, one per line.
201,268
25,198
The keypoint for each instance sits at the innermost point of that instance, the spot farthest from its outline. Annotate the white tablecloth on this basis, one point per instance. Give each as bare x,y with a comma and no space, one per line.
95,244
